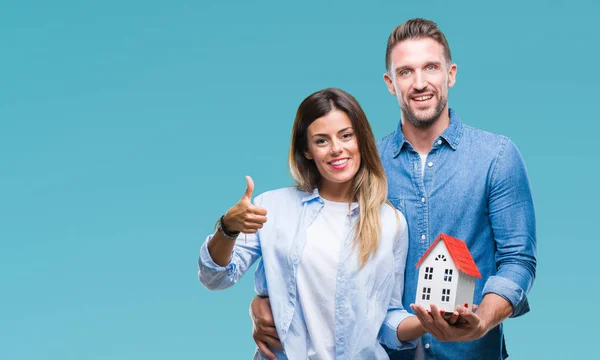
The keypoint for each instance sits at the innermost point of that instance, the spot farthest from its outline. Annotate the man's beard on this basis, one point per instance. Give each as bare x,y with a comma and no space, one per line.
423,122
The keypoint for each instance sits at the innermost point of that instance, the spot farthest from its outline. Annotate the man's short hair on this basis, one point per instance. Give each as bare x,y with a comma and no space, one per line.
415,29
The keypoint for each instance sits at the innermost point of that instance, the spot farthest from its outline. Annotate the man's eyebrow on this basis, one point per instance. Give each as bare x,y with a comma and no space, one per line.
434,62
399,69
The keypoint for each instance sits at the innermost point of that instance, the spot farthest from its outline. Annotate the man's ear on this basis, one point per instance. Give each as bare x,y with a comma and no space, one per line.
389,82
452,75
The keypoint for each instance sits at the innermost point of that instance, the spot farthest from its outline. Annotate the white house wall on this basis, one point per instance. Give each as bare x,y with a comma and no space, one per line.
437,282
466,287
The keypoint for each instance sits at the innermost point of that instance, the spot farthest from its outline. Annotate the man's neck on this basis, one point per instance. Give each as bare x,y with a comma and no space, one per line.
422,138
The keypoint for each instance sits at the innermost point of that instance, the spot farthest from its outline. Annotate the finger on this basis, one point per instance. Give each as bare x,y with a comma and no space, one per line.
436,313
468,316
426,320
422,315
249,188
461,320
418,309
268,331
249,231
264,349
452,320
438,318
257,210
253,218
273,343
251,226
474,307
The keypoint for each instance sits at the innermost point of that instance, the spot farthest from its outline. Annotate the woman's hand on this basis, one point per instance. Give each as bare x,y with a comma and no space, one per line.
244,216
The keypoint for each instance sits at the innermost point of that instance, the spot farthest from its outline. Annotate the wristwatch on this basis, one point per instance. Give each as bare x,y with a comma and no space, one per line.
220,226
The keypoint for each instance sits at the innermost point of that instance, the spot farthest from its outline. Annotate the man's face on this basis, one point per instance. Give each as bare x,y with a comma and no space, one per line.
420,77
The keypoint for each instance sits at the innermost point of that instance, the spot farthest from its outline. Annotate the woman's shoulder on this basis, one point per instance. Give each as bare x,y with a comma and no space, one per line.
389,214
285,196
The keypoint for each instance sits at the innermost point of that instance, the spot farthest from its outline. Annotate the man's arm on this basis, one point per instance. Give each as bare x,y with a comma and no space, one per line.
263,326
513,223
512,218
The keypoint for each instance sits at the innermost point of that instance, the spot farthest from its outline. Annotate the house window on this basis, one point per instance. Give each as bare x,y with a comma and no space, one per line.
448,275
445,295
426,293
428,273
440,257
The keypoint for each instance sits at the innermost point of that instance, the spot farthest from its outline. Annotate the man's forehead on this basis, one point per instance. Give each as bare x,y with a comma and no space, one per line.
416,51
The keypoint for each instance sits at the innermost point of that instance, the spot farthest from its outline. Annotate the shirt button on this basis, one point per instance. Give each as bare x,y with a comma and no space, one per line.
426,346
423,199
439,142
430,164
423,237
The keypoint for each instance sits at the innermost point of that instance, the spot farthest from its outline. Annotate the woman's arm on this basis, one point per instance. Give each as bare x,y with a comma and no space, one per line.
399,327
410,329
223,260
242,217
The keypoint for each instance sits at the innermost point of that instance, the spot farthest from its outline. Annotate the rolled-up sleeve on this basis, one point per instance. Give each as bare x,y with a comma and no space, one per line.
215,277
388,333
512,218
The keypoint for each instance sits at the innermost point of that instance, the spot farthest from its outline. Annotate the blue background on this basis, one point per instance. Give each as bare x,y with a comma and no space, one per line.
126,129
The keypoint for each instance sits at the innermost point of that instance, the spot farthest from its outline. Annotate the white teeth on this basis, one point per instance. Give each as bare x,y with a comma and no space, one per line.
339,162
421,98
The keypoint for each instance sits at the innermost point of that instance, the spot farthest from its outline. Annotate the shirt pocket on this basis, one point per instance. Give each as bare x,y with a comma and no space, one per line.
399,204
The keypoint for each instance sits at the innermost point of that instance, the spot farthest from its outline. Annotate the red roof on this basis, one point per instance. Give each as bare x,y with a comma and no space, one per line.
459,252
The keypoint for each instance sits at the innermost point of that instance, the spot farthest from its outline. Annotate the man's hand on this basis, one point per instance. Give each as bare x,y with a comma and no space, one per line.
263,327
469,327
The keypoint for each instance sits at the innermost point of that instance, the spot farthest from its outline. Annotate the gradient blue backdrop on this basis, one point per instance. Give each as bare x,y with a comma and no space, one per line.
126,129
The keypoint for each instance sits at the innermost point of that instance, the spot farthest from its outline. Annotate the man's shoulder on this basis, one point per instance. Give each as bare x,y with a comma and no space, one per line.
483,134
482,141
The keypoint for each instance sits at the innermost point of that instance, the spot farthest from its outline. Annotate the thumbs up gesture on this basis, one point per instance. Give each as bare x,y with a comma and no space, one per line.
244,216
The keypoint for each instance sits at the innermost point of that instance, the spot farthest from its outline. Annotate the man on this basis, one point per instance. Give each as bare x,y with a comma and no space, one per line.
447,177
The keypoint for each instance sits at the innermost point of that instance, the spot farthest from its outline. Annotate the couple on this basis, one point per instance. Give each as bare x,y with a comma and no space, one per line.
337,260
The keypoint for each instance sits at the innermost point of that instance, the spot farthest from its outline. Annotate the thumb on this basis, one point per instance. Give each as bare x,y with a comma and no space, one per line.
249,188
467,314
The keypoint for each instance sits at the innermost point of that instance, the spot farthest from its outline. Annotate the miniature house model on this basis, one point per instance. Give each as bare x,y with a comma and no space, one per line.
447,275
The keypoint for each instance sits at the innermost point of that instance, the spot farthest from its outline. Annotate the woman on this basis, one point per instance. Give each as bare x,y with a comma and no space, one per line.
333,249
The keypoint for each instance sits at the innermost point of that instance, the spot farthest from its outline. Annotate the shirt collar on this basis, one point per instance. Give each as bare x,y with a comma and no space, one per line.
452,134
314,196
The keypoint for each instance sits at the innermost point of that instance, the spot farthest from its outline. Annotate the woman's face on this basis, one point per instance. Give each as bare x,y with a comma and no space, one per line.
333,146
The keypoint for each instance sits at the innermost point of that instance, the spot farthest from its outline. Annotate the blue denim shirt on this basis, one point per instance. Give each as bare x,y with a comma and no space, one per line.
475,188
368,301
